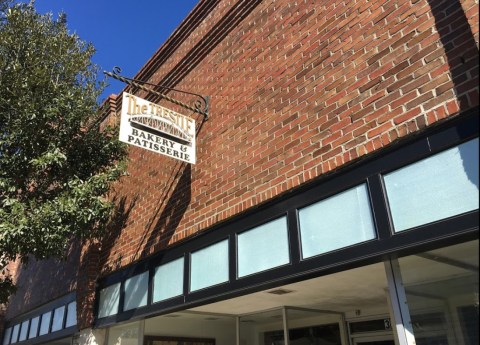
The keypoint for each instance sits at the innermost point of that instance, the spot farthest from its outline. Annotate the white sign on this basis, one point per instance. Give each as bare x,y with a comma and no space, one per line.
158,129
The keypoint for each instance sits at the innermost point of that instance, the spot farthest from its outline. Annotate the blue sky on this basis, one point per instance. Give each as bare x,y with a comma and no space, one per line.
125,33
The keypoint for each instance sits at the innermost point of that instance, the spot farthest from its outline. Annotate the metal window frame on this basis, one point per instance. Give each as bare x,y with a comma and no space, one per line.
50,336
456,229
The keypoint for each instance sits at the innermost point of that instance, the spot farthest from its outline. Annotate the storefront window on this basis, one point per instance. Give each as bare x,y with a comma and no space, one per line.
109,300
136,290
128,334
314,327
305,326
435,188
441,288
209,266
336,222
263,247
168,280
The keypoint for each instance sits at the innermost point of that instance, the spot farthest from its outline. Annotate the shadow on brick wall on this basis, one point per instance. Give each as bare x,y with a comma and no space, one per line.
93,259
61,273
461,49
168,213
114,229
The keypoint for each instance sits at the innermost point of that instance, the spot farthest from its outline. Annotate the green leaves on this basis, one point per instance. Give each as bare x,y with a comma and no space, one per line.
55,168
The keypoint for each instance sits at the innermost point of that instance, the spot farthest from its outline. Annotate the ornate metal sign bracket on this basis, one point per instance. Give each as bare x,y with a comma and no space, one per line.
200,106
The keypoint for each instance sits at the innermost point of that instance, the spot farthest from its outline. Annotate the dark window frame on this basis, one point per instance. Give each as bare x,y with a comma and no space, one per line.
369,170
50,336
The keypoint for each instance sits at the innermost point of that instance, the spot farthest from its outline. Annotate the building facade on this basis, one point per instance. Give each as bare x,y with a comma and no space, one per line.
333,199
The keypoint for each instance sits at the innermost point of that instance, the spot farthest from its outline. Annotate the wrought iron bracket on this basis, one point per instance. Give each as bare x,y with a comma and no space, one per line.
200,106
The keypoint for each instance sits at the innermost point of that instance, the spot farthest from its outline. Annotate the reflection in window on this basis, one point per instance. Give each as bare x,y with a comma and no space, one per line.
209,266
263,247
339,221
136,289
168,280
434,188
109,300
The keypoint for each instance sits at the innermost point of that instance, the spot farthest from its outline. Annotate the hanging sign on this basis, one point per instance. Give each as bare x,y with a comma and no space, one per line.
156,128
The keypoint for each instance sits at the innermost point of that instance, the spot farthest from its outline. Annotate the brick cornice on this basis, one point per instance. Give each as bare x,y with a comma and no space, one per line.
186,27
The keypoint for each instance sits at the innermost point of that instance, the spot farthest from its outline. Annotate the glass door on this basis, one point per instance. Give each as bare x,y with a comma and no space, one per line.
301,326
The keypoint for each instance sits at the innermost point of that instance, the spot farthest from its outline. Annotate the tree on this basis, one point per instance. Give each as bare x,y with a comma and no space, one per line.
56,166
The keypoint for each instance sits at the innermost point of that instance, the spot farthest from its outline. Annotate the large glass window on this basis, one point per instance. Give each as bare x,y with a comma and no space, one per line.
126,334
109,300
435,188
336,222
136,290
263,247
209,266
168,280
441,287
309,327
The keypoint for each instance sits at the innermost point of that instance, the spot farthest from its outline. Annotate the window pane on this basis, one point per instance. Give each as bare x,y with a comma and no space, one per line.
336,222
6,336
16,330
58,319
263,247
23,331
45,323
136,289
209,266
71,315
34,327
168,280
435,188
441,288
109,298
128,334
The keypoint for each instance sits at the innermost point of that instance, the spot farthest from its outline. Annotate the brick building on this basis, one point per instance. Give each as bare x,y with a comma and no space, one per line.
334,197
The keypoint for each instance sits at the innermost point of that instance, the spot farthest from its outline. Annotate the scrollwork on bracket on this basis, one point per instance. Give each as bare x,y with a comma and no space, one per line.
200,106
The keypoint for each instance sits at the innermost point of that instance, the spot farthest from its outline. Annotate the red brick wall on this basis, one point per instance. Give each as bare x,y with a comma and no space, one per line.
42,281
298,89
